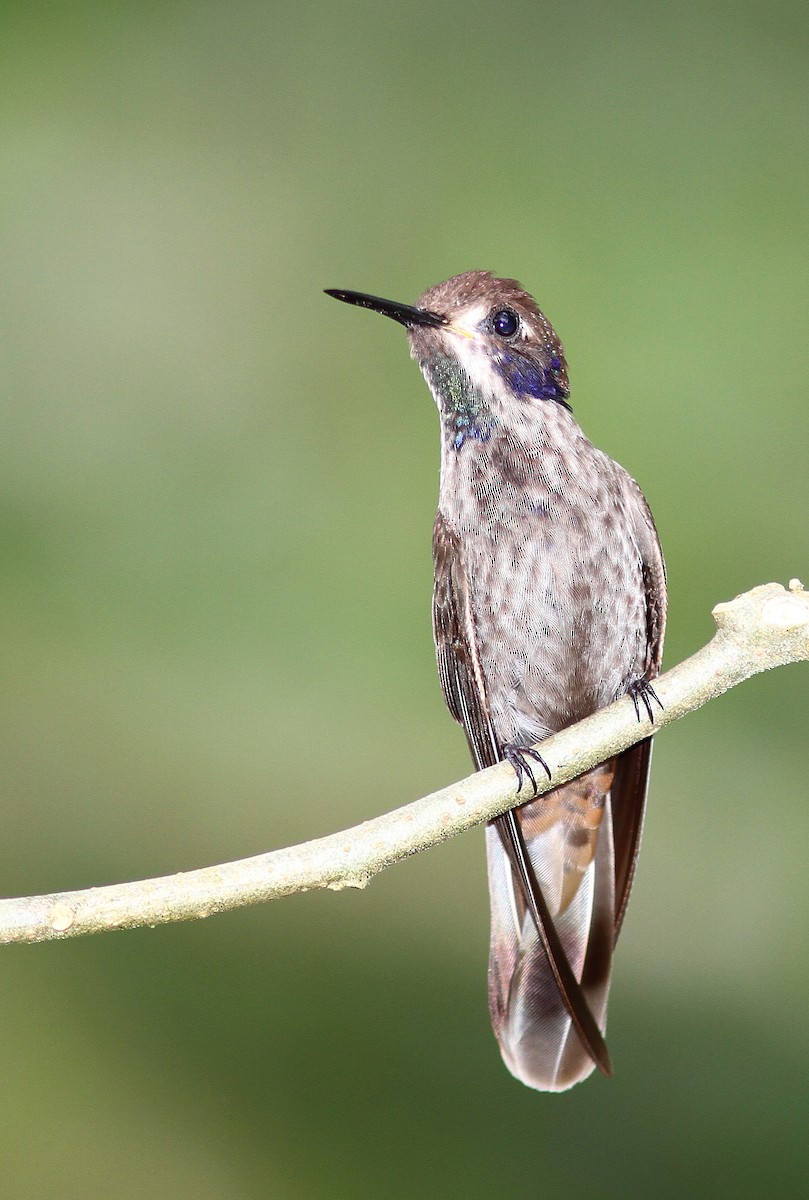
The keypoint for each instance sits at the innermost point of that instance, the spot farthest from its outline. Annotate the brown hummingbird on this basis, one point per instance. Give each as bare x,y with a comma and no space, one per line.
549,603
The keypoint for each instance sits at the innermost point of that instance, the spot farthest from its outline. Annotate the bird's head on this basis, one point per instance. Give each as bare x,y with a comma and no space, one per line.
484,347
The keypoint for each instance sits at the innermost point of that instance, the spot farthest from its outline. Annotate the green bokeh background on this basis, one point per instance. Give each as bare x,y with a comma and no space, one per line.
217,491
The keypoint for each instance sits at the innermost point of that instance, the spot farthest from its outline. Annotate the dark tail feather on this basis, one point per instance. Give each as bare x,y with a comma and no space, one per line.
549,976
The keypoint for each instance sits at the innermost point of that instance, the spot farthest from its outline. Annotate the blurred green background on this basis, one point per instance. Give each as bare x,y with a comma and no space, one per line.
217,493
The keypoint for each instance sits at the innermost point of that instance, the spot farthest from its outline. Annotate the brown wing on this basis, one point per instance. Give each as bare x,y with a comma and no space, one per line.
632,770
464,689
456,647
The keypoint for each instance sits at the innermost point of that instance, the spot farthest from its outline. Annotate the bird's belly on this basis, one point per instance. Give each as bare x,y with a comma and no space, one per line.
561,627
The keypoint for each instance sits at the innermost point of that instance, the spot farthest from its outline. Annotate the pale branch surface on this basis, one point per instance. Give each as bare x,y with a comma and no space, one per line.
764,628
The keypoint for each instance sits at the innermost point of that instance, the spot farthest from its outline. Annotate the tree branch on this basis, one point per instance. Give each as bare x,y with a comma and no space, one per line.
764,628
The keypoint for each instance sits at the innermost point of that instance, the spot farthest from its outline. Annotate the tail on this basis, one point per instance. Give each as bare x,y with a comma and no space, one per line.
569,838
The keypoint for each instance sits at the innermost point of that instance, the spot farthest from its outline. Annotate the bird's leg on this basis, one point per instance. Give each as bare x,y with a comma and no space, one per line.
518,757
642,692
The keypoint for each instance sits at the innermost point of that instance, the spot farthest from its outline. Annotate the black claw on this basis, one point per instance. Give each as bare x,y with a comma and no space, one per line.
537,757
523,767
517,756
643,693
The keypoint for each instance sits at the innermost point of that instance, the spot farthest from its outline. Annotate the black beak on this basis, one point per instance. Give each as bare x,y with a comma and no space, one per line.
405,314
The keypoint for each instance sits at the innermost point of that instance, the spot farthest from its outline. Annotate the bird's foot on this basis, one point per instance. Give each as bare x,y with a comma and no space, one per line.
518,757
642,692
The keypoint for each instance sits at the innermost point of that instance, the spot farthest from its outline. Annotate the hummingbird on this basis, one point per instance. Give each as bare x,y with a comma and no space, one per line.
549,603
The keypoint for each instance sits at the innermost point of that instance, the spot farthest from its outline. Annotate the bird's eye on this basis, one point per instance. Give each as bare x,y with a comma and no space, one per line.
505,322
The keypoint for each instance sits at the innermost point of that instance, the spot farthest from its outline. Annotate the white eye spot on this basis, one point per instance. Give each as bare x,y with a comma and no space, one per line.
467,323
